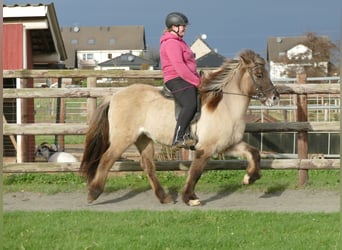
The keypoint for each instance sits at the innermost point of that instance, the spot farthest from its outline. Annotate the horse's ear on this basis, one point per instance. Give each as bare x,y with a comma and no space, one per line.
245,60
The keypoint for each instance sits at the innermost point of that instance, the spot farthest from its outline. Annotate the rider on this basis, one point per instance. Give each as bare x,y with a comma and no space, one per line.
180,73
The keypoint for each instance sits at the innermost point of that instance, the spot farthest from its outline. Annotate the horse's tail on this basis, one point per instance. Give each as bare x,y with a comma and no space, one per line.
96,142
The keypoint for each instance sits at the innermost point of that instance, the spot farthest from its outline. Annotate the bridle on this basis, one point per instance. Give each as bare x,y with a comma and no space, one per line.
261,93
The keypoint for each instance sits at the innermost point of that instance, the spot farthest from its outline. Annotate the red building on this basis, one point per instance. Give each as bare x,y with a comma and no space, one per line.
31,40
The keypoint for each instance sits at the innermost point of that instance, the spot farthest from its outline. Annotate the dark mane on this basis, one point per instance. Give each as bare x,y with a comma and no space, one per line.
212,83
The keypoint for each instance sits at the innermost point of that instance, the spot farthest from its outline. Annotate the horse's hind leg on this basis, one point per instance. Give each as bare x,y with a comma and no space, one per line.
96,186
253,157
146,149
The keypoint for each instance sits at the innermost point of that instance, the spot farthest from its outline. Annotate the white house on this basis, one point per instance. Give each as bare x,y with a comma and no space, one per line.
288,54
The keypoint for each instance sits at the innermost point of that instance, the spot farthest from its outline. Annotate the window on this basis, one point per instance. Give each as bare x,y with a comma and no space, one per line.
112,41
109,56
88,56
91,41
74,41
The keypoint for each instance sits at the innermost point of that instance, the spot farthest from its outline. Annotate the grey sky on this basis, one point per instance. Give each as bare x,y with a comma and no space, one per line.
229,25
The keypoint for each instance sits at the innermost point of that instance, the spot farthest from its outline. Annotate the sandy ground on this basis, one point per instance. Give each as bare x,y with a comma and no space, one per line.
124,200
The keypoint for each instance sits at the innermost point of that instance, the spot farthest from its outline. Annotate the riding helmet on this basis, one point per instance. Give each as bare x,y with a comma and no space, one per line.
176,18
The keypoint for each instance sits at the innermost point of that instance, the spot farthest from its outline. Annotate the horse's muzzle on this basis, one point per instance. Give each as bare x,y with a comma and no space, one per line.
272,99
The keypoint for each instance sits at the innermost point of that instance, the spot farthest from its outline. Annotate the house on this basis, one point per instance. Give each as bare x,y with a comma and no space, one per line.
211,60
89,46
287,55
200,47
31,40
127,61
206,57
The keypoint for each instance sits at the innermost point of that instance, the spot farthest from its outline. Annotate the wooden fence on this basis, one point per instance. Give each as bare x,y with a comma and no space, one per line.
92,93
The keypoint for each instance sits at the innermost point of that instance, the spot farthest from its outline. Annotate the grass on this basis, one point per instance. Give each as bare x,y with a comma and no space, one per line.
170,230
69,139
211,181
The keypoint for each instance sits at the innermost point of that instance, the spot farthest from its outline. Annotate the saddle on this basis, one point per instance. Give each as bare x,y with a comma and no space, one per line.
189,134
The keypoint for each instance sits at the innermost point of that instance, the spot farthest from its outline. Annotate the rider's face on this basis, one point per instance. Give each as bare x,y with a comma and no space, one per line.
179,29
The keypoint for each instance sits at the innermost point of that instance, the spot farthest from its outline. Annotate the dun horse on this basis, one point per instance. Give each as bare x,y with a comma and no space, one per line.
140,115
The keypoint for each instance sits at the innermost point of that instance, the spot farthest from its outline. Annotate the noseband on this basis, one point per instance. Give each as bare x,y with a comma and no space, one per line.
261,94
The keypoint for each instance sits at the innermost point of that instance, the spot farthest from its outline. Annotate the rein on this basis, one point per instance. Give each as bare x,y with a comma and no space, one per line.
250,96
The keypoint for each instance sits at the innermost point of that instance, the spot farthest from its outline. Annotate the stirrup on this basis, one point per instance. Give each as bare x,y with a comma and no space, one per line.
186,143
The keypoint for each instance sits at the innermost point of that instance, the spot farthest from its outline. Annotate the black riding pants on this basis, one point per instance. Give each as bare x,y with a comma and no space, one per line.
185,95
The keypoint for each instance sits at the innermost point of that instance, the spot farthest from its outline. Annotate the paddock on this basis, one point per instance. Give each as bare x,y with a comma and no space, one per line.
298,90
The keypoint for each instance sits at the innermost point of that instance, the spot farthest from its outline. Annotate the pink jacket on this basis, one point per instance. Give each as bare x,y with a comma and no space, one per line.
177,59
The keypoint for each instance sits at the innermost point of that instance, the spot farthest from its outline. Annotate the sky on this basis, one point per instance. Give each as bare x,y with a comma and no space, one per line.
230,26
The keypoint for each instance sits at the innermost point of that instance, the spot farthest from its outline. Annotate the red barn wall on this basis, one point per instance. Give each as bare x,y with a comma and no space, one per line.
13,58
12,46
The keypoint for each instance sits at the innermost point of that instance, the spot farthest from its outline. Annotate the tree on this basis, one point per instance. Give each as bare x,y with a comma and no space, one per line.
153,55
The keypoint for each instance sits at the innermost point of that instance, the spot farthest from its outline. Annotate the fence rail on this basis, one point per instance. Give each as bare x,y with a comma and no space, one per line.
137,74
80,129
178,165
101,92
92,92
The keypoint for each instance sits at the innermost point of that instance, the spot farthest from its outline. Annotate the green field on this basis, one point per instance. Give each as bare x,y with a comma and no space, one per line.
170,230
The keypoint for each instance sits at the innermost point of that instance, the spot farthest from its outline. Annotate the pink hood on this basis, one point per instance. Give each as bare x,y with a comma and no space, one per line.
177,59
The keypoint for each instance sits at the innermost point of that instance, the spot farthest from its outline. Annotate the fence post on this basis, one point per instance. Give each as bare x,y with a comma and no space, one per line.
302,136
60,118
91,102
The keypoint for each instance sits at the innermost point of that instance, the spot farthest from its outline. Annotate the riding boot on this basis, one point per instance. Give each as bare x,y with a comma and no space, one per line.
178,140
181,140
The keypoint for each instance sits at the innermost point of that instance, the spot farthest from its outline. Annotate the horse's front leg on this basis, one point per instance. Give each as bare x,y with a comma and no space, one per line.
196,169
252,155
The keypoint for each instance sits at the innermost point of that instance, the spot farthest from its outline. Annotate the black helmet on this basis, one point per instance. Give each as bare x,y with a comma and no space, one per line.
176,18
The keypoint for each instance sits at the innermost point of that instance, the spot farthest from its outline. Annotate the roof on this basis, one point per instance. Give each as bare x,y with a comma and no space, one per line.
107,38
126,60
41,20
210,60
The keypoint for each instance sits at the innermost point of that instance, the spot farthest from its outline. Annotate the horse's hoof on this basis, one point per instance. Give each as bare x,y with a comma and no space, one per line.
93,195
90,199
250,179
193,203
246,179
167,199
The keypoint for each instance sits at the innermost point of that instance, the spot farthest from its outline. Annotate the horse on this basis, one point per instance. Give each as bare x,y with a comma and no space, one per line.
139,114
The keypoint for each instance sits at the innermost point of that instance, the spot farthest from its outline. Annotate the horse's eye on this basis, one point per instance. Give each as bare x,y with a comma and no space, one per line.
259,75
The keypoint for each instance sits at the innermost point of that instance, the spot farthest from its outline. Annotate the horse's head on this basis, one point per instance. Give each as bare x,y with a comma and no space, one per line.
259,84
248,72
